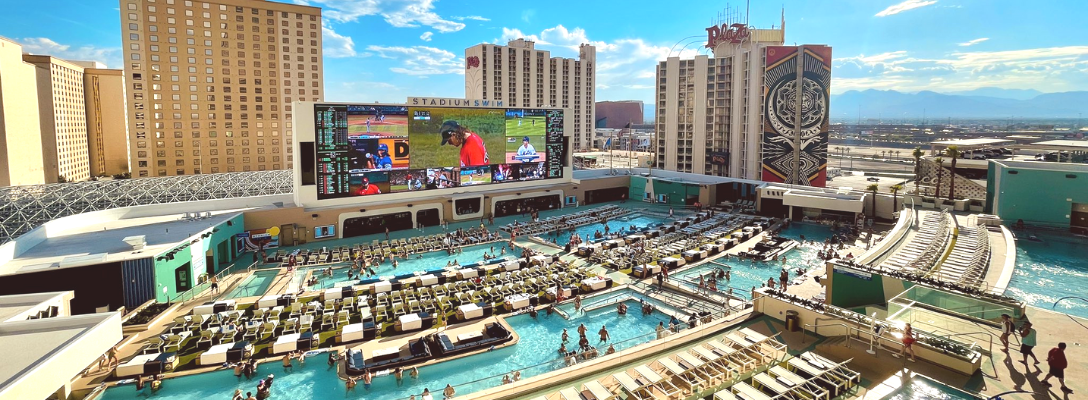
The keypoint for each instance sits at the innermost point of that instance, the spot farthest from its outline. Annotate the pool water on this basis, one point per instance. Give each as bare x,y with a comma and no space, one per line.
620,224
254,285
431,261
920,388
745,273
1050,270
534,354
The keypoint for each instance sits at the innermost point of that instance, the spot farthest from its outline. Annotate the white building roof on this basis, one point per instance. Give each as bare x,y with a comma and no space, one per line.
43,355
100,242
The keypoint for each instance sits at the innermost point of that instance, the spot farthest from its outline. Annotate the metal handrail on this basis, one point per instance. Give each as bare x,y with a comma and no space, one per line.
991,348
192,293
853,329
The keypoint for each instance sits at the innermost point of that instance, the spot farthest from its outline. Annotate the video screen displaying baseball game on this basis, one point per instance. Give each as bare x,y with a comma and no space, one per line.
365,150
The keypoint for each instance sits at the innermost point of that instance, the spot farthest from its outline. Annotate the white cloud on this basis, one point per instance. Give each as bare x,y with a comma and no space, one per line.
399,13
973,42
472,17
111,56
426,36
335,45
905,6
625,67
421,60
527,15
511,34
1049,69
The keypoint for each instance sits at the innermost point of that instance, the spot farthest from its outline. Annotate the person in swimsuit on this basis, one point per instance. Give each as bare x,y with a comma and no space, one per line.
908,342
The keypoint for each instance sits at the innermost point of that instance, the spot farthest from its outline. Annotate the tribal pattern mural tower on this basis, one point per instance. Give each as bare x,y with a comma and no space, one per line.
796,101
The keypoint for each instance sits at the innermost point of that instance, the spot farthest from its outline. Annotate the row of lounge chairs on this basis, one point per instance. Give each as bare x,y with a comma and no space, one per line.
417,244
970,257
569,221
925,248
489,288
720,363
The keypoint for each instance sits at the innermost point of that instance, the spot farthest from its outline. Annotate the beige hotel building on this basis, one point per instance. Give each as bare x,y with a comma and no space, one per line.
59,119
519,75
211,82
714,103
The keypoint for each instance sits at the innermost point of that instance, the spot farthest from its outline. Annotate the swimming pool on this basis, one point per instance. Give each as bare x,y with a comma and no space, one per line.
1049,270
922,388
430,261
254,285
534,354
620,224
746,273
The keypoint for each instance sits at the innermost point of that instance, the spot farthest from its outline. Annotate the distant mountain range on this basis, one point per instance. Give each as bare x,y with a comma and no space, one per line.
978,103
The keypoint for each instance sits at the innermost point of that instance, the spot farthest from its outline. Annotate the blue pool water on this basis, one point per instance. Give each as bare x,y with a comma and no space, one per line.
746,273
621,224
534,354
920,388
254,285
431,261
1050,270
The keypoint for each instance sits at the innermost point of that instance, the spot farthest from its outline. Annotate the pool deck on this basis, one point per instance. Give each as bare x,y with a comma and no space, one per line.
1000,373
881,373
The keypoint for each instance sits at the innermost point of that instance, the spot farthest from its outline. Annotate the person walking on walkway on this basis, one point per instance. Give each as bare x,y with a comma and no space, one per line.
1028,342
1056,359
1007,327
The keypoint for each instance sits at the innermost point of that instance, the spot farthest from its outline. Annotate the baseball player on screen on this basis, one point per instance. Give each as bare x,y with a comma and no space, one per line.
473,152
380,160
526,150
367,188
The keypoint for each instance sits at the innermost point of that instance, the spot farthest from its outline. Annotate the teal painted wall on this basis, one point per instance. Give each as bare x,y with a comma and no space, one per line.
676,191
637,188
225,234
165,276
1035,196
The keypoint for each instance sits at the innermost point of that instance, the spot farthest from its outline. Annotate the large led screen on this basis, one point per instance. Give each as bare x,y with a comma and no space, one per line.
365,150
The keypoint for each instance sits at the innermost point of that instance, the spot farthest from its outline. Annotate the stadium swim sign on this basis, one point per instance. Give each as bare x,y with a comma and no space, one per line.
450,102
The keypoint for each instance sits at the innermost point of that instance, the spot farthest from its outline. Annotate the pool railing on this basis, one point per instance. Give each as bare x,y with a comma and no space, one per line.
561,360
195,291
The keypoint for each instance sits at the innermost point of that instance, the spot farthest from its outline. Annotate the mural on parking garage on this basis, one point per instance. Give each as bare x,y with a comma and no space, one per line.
796,119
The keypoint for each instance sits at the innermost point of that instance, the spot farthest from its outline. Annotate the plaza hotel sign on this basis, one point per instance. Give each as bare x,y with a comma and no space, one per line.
734,33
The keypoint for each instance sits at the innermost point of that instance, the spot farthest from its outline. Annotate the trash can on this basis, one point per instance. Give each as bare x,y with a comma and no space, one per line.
793,321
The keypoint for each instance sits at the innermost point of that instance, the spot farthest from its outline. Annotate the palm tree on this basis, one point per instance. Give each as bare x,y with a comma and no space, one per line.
952,152
918,153
882,152
895,196
873,188
940,171
897,156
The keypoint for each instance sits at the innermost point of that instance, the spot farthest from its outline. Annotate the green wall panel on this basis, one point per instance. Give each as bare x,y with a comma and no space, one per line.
849,291
1036,196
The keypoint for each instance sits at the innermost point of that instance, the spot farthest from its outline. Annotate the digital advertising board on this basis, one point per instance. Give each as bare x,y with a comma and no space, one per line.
378,149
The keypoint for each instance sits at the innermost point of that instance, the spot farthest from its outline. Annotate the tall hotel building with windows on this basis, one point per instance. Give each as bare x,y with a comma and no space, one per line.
211,82
712,117
519,75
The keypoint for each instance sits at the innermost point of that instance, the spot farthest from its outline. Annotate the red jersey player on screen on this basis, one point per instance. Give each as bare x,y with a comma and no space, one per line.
473,152
367,189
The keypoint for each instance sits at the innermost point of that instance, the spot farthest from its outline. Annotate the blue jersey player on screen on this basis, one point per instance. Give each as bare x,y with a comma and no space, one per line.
380,160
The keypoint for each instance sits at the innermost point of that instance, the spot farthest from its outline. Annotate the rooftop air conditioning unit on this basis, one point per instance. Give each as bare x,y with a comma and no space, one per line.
137,242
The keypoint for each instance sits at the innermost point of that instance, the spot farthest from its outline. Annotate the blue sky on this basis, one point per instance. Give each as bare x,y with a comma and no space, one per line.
379,50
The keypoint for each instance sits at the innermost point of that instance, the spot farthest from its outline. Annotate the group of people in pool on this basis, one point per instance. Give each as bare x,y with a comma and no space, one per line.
584,351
